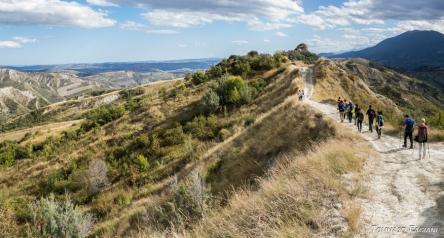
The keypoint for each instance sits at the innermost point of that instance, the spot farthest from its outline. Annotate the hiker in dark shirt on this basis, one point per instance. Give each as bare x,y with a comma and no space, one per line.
371,114
359,119
409,124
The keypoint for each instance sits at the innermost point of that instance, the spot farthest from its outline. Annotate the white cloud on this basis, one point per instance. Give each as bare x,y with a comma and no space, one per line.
258,14
135,26
409,15
258,25
181,45
132,26
239,42
52,13
281,34
435,25
24,40
16,42
10,44
161,31
266,40
347,42
182,18
102,3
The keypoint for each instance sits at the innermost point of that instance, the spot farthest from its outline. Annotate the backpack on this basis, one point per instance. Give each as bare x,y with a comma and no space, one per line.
380,120
422,134
409,123
360,116
341,107
371,113
350,107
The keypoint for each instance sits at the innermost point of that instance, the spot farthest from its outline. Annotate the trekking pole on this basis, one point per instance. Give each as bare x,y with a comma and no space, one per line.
428,148
400,139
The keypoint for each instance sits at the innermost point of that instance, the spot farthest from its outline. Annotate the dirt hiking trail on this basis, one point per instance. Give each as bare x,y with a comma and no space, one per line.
405,195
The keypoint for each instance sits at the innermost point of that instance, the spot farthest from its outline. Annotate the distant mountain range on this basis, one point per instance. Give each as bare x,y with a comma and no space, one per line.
411,51
173,66
418,53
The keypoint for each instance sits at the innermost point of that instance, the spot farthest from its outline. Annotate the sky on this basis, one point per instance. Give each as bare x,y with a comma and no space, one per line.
86,31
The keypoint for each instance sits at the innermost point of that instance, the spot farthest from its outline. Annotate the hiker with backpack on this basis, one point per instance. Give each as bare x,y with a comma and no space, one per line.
341,109
371,117
409,124
359,119
379,124
421,138
350,111
357,108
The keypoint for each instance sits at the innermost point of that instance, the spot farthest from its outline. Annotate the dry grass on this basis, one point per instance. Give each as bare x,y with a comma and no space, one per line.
332,82
250,155
296,200
352,214
292,202
42,132
8,227
436,135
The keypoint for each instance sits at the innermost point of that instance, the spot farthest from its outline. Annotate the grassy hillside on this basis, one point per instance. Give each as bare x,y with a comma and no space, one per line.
229,152
134,148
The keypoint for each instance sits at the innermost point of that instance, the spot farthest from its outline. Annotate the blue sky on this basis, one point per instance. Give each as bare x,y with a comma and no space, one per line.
83,31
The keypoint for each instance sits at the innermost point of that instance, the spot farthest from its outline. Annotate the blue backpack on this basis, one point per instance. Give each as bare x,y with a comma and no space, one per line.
409,123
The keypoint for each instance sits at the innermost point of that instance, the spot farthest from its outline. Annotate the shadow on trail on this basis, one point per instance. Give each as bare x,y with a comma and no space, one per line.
329,101
391,151
403,162
434,218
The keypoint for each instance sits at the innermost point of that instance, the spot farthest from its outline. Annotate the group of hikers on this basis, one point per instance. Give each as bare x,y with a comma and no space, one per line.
301,95
349,111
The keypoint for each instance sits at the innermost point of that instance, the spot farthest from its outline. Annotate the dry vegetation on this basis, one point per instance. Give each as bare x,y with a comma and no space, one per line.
208,156
386,90
299,198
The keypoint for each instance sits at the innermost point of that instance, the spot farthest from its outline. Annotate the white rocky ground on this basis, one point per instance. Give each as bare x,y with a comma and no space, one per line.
404,193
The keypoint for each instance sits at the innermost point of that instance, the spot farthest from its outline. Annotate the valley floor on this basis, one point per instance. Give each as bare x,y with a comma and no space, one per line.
405,195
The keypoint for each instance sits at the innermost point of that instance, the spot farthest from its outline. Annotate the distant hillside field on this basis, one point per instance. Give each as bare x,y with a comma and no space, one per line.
32,87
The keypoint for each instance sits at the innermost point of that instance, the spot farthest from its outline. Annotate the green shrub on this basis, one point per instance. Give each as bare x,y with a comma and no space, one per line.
10,151
215,71
106,114
102,116
142,162
258,84
262,62
224,134
142,141
123,198
202,127
302,53
240,68
234,91
59,219
185,207
21,209
173,136
129,93
438,120
199,77
210,103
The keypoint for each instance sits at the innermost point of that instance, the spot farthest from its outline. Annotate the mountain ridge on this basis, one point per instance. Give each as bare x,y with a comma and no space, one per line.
410,51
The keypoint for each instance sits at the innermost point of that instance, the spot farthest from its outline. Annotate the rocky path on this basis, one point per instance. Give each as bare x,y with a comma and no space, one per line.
405,195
